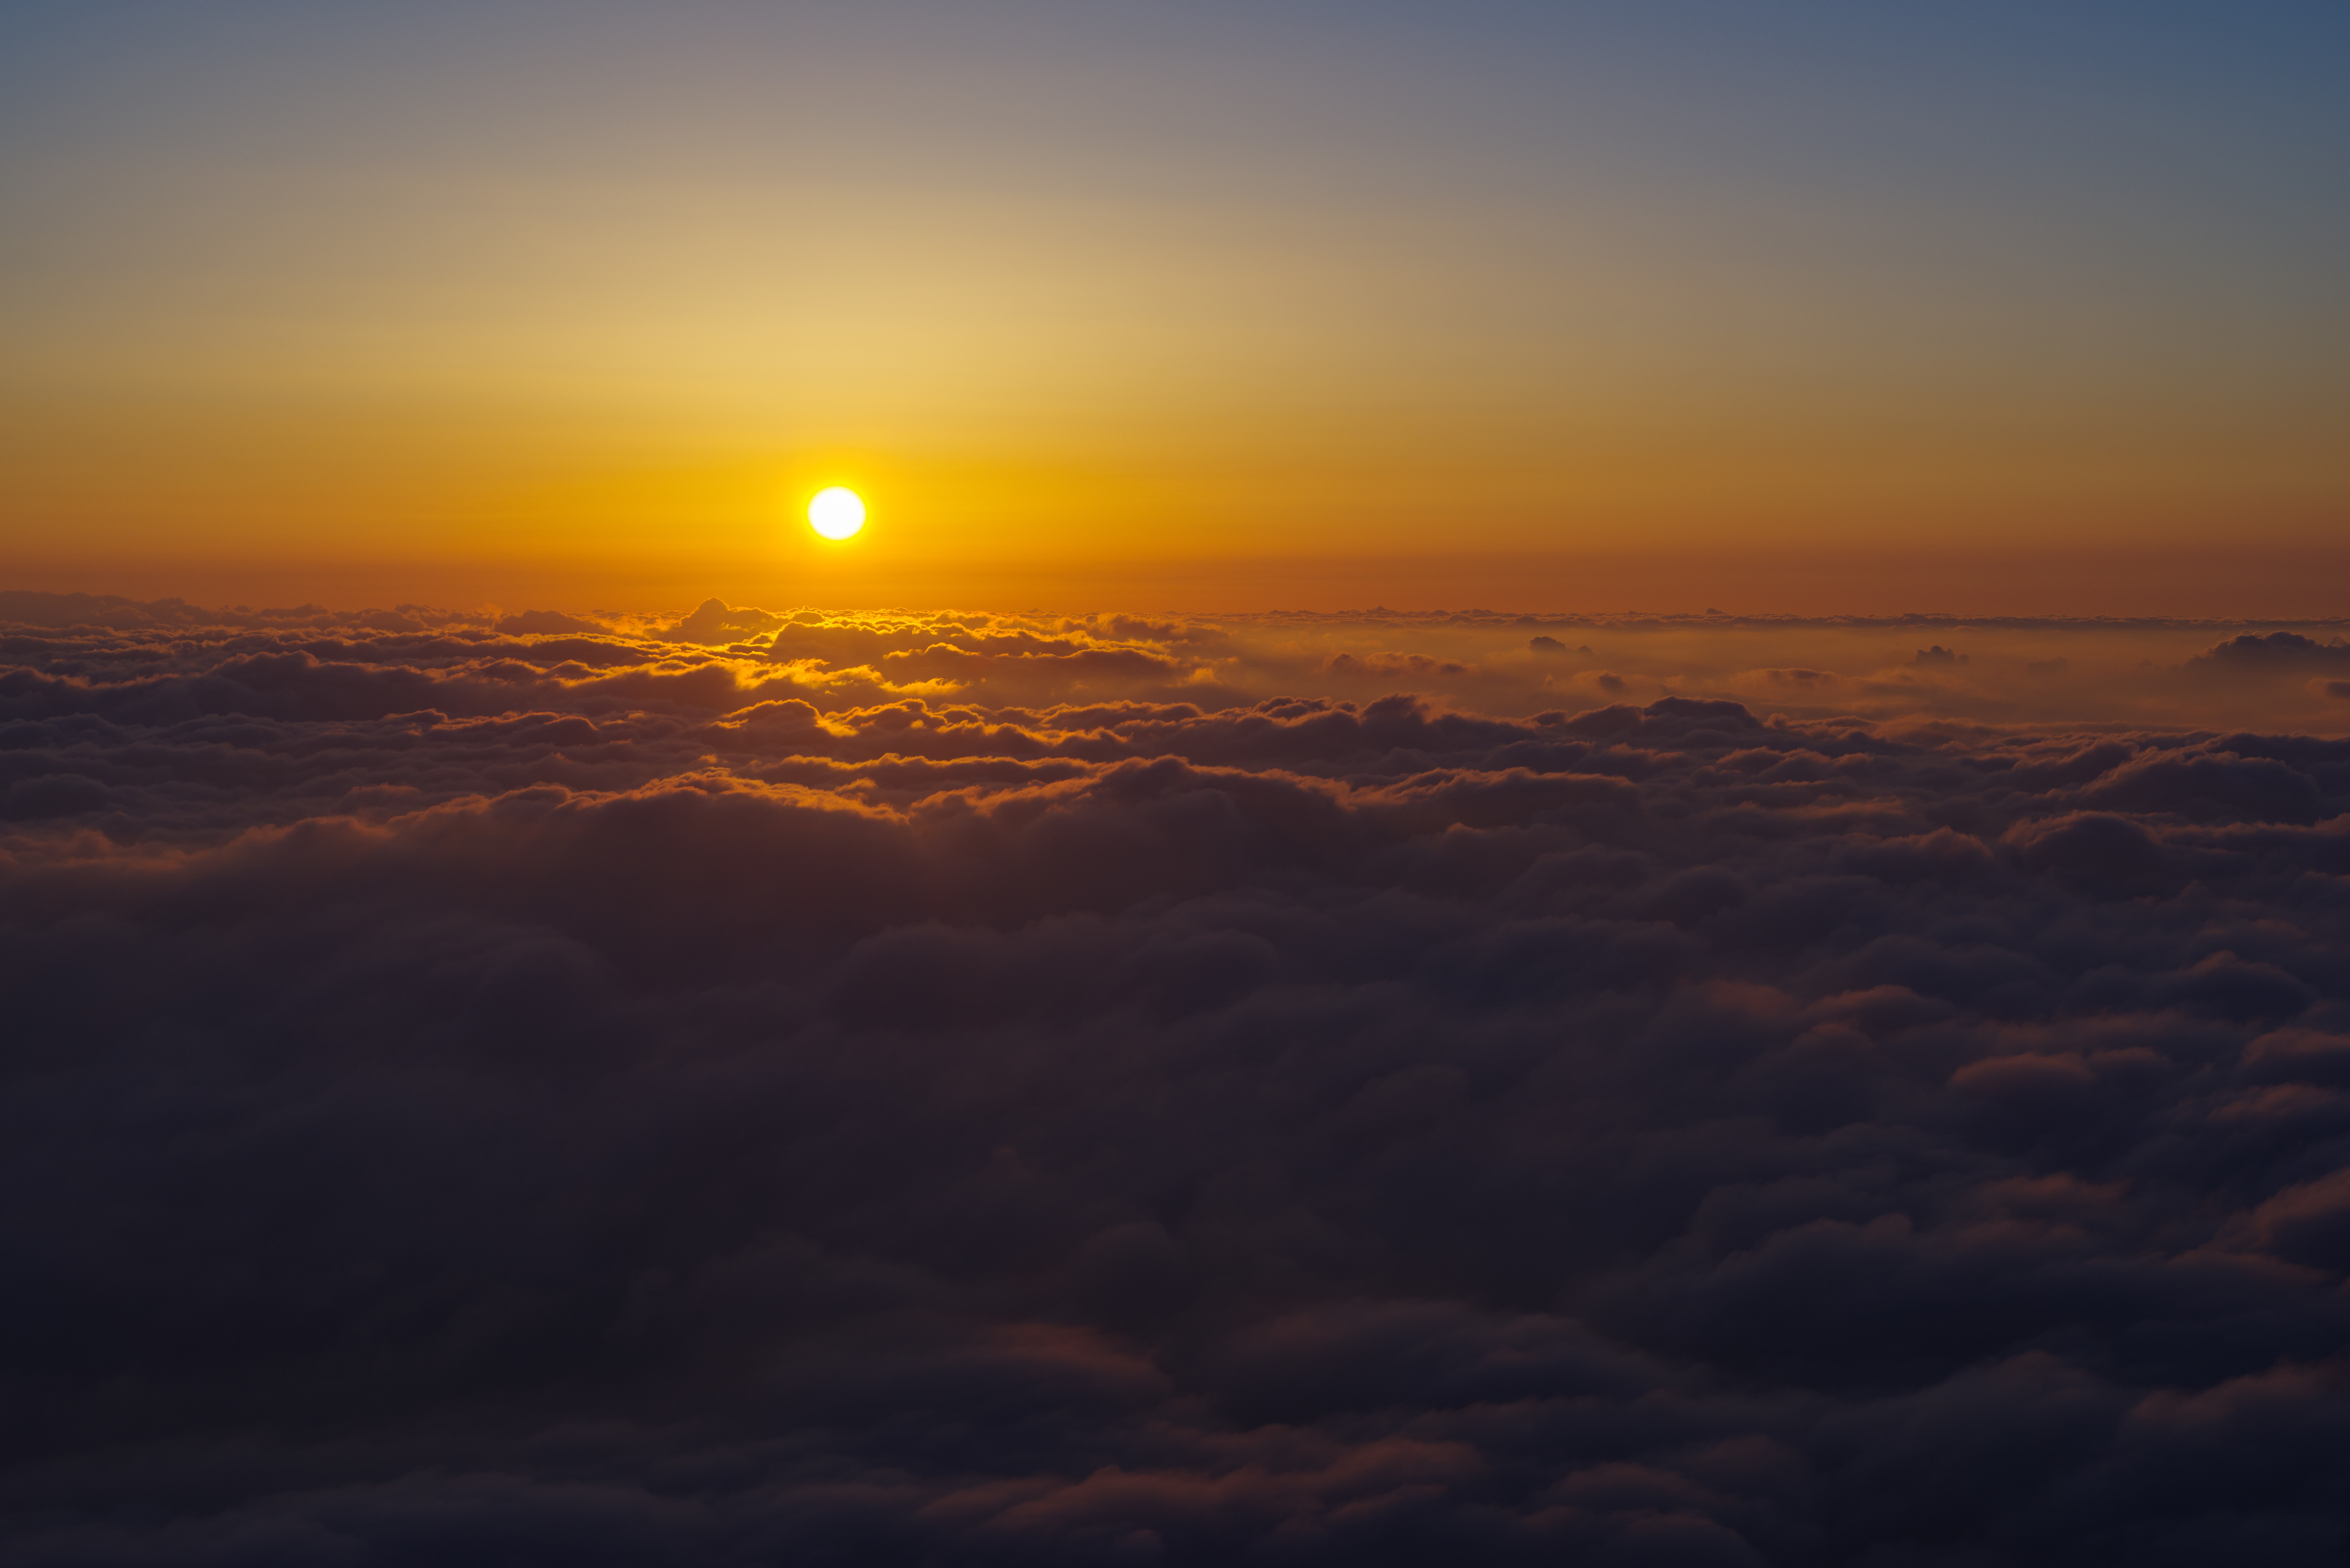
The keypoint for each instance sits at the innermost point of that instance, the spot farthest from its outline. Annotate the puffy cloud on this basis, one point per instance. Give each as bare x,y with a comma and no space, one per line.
2285,652
536,622
932,1088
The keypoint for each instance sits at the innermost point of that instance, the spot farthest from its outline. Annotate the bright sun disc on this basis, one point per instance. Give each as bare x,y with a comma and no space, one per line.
836,514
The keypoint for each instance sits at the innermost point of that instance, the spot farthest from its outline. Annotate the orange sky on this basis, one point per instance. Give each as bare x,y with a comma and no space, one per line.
585,317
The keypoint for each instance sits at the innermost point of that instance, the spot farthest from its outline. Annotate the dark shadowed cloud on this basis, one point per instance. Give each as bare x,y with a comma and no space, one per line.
966,1090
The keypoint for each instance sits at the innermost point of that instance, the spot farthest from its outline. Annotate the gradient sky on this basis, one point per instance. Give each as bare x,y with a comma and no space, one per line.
2030,307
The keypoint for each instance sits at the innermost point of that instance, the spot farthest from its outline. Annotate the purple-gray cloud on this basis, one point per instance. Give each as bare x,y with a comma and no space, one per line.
959,1090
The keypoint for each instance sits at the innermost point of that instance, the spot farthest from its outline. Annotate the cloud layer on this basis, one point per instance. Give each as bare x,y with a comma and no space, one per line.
755,1088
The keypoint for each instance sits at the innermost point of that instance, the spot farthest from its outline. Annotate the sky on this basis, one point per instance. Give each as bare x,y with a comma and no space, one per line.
1821,308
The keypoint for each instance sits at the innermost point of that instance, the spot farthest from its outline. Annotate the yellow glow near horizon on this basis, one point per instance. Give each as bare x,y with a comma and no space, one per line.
837,513
485,329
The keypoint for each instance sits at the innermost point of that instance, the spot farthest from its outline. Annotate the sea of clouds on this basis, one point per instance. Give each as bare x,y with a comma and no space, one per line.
755,1088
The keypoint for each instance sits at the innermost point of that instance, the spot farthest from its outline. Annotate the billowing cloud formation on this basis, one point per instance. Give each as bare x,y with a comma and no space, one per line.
936,1089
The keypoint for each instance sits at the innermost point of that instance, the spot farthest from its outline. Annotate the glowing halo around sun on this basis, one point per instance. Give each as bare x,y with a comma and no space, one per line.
838,513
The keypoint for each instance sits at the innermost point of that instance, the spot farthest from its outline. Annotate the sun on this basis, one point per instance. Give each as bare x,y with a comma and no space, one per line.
838,513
